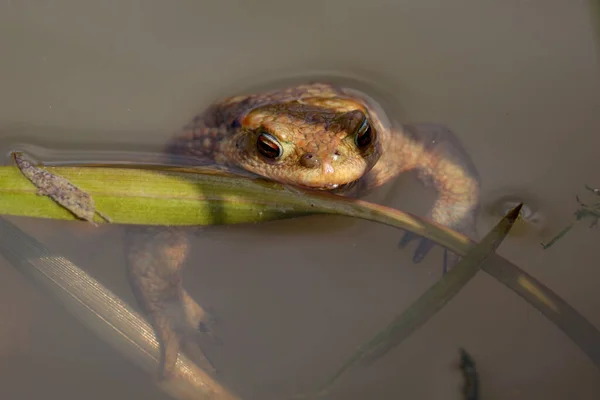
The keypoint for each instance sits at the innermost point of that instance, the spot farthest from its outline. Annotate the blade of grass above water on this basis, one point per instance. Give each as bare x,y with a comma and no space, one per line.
204,198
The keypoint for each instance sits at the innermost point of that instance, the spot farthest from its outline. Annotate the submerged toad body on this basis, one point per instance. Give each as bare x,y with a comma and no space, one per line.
315,136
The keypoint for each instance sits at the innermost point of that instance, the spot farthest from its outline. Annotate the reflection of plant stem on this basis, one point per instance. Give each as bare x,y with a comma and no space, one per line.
584,211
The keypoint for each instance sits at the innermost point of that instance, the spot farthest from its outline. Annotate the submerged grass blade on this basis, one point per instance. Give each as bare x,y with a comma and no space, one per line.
438,295
581,331
175,197
441,292
104,313
558,236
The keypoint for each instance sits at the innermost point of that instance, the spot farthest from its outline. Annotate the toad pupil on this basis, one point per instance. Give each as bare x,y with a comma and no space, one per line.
364,134
268,146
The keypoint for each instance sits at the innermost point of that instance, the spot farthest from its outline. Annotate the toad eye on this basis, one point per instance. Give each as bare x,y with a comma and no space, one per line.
364,135
268,146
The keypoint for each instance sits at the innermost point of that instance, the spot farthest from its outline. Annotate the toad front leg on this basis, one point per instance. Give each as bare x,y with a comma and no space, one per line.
155,256
440,160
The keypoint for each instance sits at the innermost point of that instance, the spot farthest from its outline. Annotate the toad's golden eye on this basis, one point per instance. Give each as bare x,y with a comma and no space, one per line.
268,146
364,134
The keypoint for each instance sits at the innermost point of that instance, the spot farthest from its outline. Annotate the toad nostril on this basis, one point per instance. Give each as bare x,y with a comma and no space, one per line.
336,155
309,160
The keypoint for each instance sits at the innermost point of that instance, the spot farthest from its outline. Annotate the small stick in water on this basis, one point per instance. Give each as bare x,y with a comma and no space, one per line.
470,376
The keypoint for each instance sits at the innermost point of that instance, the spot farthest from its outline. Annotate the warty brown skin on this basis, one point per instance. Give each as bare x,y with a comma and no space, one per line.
316,136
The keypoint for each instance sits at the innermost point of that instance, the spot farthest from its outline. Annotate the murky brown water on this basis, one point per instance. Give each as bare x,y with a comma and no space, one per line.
295,298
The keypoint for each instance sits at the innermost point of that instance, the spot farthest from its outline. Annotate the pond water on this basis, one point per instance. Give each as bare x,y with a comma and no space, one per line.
295,298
